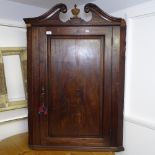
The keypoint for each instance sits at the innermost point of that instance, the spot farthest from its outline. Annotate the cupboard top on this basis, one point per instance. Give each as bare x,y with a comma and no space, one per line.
51,17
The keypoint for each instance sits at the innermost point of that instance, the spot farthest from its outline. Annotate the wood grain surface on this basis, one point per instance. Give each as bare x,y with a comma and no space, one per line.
18,145
75,81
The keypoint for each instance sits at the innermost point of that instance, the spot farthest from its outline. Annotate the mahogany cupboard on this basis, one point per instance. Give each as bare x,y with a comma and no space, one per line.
76,80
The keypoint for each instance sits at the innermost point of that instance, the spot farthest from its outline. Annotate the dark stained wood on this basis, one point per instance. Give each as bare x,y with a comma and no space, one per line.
33,86
99,17
74,103
76,81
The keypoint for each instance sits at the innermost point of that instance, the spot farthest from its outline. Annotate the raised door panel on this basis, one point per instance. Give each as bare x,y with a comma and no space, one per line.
75,88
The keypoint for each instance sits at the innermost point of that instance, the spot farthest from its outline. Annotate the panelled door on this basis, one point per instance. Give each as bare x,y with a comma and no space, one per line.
78,71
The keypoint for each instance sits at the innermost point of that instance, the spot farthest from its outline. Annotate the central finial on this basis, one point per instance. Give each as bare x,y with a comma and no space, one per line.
75,11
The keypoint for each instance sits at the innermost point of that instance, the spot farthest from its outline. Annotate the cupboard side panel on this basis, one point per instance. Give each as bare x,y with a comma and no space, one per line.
118,60
122,83
33,85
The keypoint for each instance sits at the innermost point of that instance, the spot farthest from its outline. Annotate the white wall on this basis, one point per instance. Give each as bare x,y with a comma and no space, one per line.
139,123
12,14
13,122
12,37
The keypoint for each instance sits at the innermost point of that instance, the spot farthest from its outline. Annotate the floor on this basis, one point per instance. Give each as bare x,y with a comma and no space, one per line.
17,145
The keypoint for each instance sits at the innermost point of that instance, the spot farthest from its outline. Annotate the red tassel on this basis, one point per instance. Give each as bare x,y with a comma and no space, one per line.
43,109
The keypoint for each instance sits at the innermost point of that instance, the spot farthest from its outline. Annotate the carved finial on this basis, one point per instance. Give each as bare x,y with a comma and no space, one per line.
75,11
